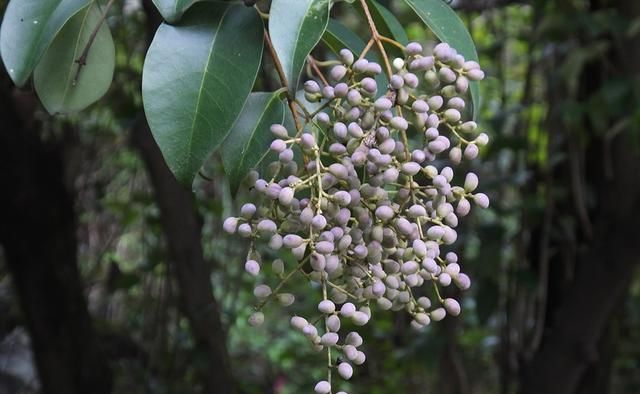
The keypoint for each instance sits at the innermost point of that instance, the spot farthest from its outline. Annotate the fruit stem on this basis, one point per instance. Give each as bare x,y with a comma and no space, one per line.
376,37
283,79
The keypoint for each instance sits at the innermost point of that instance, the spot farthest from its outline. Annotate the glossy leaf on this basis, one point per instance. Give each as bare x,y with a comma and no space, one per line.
250,137
172,10
338,36
197,76
28,28
296,27
449,28
62,85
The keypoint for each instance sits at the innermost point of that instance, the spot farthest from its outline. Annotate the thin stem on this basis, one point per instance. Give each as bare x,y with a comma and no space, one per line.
367,48
82,60
316,69
282,283
283,78
392,42
376,37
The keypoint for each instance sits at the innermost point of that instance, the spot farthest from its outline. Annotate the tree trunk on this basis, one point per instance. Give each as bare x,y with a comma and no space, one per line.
182,230
580,334
37,231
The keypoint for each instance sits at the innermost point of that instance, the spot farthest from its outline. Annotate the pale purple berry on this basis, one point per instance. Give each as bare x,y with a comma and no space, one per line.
324,247
252,267
333,323
360,318
452,306
323,387
348,309
277,267
256,319
360,358
373,68
444,279
411,168
360,65
345,370
262,291
475,75
248,210
413,48
438,314
481,200
329,339
470,182
369,85
341,90
396,81
311,87
338,72
230,225
471,152
463,207
286,299
307,140
382,104
354,97
326,307
398,122
292,241
452,115
286,196
462,281
411,80
457,103
244,230
346,56
286,156
446,75
420,106
299,322
355,130
279,131
384,212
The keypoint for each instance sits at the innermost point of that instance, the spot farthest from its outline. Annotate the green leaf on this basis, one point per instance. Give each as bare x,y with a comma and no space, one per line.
28,28
197,76
250,137
172,10
449,28
338,36
55,76
296,27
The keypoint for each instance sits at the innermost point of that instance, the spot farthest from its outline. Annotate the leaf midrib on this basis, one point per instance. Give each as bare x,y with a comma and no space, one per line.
75,52
198,100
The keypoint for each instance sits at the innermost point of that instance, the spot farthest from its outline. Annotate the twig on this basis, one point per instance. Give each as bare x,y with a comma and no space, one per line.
82,60
314,67
283,78
376,37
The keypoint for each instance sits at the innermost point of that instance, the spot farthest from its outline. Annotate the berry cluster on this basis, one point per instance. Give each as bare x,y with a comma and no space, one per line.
363,196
